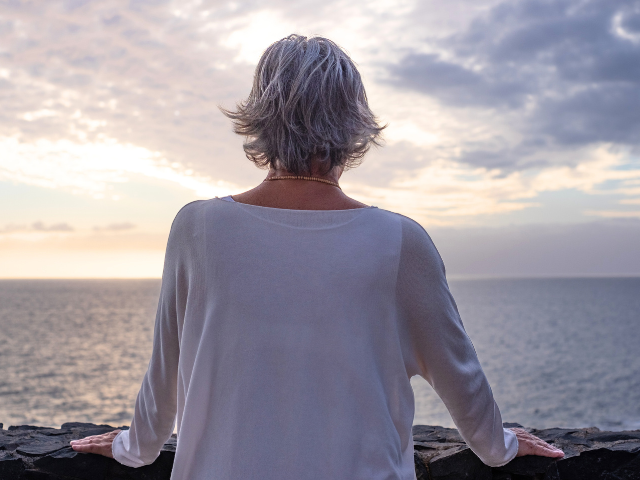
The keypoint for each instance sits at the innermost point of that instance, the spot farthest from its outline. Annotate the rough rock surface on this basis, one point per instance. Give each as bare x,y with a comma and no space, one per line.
39,453
590,454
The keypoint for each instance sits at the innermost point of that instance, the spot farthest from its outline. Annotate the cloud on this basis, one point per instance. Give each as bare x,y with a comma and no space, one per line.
457,85
95,94
36,227
57,227
135,72
565,74
41,237
115,227
614,213
605,247
448,193
94,167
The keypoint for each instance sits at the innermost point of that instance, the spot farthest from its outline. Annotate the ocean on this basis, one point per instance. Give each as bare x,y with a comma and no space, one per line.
557,352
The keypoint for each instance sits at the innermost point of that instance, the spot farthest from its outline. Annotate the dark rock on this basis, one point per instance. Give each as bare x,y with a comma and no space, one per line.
69,463
54,432
83,426
552,472
631,447
26,427
501,476
170,445
39,453
551,434
630,471
593,464
8,444
458,465
421,469
40,448
527,466
11,466
38,475
613,436
511,425
426,433
575,440
87,429
158,470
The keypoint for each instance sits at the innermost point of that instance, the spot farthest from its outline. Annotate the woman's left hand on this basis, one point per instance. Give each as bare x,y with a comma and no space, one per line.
100,444
529,444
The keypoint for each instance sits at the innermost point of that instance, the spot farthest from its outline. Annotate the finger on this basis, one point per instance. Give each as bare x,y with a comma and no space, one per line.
551,448
530,447
84,448
548,446
538,442
548,453
541,444
83,441
556,452
96,438
547,450
97,448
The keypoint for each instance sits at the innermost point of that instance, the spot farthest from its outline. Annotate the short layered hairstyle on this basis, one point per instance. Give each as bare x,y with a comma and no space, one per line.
307,104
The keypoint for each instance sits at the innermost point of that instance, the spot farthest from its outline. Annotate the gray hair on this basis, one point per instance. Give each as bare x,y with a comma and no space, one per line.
307,104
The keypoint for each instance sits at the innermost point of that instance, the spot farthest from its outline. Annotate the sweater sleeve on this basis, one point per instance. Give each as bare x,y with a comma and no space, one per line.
440,351
156,404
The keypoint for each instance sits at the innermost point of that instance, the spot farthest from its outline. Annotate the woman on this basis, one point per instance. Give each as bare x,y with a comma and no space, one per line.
292,317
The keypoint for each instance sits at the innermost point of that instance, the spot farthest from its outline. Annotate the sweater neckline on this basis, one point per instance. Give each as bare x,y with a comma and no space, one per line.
294,210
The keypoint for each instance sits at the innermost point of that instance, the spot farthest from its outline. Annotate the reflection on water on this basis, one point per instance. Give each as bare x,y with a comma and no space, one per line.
73,350
557,351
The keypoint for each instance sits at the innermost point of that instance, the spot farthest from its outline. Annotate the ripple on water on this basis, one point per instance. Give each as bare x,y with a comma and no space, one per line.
557,352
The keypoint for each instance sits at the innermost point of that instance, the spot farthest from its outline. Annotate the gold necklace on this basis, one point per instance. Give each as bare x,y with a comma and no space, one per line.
302,177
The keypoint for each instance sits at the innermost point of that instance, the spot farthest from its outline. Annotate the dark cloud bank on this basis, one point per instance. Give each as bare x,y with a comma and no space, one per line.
568,72
607,247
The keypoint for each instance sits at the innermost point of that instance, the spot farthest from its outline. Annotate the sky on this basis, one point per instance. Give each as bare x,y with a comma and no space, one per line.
513,130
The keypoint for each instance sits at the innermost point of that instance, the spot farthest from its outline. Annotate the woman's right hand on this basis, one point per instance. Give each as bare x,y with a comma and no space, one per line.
531,445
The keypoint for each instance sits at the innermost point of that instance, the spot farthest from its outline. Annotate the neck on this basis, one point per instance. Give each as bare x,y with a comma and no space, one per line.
332,175
299,195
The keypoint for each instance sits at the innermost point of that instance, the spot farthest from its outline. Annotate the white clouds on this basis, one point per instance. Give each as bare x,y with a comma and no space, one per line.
36,115
408,131
448,193
96,95
622,30
92,168
256,33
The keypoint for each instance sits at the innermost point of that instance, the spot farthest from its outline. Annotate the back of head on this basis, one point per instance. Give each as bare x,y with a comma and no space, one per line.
307,104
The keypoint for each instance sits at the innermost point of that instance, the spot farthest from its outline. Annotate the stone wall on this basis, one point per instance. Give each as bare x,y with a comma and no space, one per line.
38,453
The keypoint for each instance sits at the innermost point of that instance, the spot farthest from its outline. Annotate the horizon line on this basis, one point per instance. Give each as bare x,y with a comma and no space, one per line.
455,276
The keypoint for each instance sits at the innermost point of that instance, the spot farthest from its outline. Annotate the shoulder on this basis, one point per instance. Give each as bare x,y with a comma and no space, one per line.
413,234
186,215
187,222
417,247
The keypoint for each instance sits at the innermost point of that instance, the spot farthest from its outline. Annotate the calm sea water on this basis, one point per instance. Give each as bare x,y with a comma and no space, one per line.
557,352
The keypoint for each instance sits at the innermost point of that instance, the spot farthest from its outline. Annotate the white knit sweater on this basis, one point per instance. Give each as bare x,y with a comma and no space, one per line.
285,341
